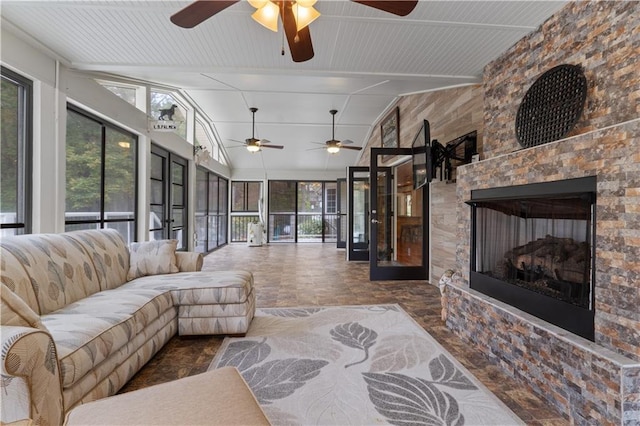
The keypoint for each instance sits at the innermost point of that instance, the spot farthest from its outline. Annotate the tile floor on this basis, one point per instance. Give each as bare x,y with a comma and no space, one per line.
317,274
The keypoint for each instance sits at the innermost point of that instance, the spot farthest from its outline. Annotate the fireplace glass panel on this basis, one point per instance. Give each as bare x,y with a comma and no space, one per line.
539,244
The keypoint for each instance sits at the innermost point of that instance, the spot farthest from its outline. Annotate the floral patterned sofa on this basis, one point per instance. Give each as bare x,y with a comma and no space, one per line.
82,313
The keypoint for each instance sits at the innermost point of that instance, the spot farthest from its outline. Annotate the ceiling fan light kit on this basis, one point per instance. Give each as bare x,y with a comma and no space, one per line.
267,15
296,15
333,149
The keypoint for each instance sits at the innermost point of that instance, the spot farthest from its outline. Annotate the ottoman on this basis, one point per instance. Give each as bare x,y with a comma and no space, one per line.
220,303
217,397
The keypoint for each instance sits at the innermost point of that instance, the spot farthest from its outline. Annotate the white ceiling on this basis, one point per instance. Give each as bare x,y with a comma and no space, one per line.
364,59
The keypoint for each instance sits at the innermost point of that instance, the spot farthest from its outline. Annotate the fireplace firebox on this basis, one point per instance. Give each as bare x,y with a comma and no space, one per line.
533,247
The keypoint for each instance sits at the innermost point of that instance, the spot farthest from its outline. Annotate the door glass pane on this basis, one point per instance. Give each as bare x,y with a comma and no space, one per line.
309,211
359,214
409,219
156,217
119,175
238,196
177,195
157,192
282,209
222,229
201,191
83,159
157,167
223,196
177,173
253,196
214,195
177,217
385,248
331,211
213,230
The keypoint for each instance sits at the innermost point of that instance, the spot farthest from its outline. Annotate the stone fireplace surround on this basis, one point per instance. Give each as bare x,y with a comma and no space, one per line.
593,383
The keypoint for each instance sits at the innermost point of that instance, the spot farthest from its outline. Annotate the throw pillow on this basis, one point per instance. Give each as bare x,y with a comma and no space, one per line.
151,258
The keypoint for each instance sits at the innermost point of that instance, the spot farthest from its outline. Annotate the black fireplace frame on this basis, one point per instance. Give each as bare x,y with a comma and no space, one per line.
575,319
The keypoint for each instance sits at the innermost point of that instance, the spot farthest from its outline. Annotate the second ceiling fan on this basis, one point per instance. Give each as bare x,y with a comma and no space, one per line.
252,144
298,36
334,146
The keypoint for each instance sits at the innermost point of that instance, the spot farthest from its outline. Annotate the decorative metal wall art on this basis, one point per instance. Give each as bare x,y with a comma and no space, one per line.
552,106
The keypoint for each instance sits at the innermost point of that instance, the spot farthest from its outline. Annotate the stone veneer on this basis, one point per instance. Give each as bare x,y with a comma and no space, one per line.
591,382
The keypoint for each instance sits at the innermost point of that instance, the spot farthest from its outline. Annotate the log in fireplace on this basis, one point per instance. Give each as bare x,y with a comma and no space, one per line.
533,247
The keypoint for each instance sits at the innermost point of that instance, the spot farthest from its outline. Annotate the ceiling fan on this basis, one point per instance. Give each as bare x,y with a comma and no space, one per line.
297,31
333,146
252,144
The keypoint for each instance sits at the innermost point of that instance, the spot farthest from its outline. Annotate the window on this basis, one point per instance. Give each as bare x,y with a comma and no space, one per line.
173,109
302,211
211,211
101,175
127,94
204,138
245,199
15,149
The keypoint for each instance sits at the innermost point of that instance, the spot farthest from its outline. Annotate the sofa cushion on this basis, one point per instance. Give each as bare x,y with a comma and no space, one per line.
200,288
152,257
92,329
59,269
109,253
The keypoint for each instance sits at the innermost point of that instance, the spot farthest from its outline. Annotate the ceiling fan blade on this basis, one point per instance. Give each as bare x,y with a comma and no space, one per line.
264,141
400,8
272,146
302,49
346,142
353,148
199,11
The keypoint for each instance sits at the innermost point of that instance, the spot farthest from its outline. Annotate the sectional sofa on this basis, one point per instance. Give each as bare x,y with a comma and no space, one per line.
82,312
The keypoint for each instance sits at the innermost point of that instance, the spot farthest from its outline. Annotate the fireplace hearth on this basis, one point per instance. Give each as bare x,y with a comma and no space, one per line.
532,246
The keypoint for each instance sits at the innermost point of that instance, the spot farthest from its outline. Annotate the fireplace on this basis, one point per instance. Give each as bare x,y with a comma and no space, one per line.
532,246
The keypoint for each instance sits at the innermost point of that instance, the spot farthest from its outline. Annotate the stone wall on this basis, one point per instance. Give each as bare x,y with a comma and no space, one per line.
593,383
601,36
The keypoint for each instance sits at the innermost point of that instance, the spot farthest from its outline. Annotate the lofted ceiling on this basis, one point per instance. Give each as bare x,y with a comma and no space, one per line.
364,60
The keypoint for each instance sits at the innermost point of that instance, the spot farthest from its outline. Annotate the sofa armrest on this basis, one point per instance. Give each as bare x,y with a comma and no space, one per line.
189,261
30,376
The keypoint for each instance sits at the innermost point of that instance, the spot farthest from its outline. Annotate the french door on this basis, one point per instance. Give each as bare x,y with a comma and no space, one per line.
399,229
358,223
168,200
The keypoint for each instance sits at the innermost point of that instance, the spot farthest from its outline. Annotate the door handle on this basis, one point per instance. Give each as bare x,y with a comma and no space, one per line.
375,221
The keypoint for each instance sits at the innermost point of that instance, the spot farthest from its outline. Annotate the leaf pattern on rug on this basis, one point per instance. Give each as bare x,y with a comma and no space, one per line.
280,378
406,400
244,354
399,352
355,336
294,312
444,372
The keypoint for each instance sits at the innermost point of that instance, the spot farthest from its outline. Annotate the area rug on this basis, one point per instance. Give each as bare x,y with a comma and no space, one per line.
356,365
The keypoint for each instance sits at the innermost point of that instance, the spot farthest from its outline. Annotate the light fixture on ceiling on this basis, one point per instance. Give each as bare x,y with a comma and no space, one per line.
267,13
333,149
253,147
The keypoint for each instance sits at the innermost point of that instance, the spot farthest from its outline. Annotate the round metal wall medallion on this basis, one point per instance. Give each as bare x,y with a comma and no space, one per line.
552,106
